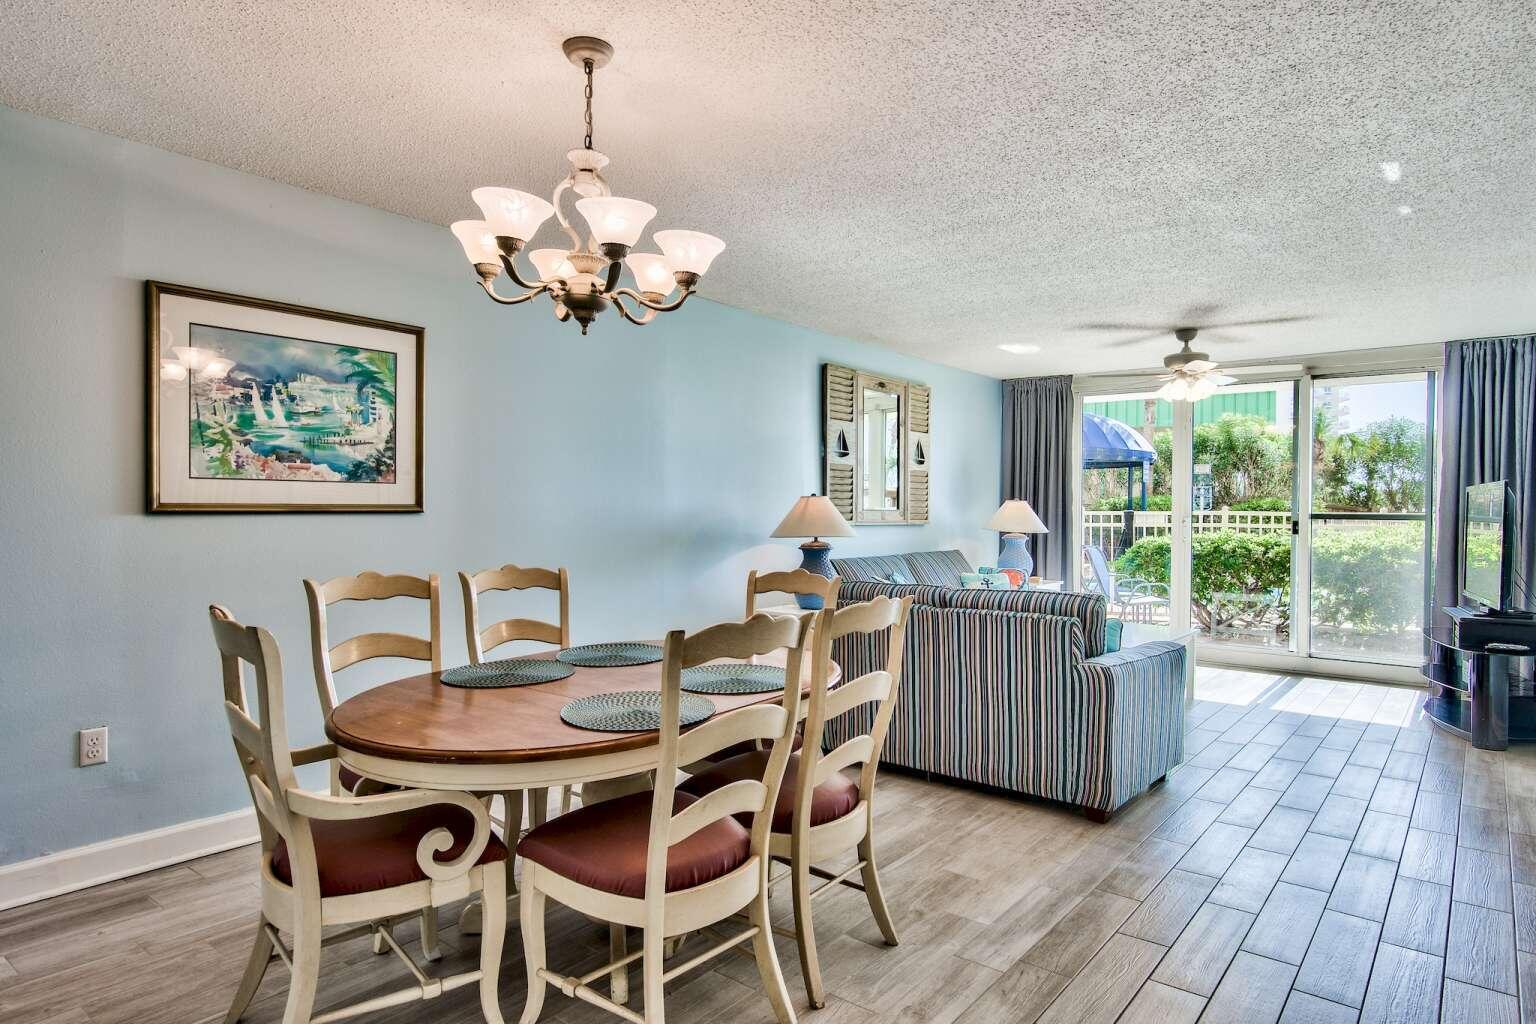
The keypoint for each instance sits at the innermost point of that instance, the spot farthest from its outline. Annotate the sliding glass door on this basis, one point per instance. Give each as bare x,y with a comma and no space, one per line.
1370,525
1242,516
1283,521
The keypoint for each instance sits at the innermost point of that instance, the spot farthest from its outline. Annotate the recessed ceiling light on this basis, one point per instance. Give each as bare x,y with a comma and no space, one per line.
1405,211
1391,170
1019,349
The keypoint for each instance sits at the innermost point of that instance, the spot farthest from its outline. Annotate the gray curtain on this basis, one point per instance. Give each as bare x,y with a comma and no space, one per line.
1487,432
1037,453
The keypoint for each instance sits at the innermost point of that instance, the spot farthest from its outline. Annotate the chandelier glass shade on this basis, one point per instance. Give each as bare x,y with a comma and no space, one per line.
584,279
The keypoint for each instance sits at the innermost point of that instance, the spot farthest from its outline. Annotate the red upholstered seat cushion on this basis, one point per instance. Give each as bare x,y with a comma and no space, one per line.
829,801
367,854
603,847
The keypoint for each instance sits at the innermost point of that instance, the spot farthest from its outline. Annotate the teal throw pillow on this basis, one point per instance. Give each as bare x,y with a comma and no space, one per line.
1112,629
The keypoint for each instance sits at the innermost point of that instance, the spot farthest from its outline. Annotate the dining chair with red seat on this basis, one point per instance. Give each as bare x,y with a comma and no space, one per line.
821,813
332,658
666,862
337,860
479,641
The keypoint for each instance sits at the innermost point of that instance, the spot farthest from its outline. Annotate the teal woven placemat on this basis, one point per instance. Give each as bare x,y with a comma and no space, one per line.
630,711
733,679
510,672
610,655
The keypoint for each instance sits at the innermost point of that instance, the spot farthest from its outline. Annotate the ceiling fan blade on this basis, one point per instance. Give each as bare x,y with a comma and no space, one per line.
1137,339
1199,365
1221,380
1200,311
1259,323
1120,327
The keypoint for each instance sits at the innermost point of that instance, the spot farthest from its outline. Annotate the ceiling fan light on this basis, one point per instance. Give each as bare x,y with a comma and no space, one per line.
552,264
689,252
652,273
1174,391
1202,389
615,220
478,240
170,369
511,213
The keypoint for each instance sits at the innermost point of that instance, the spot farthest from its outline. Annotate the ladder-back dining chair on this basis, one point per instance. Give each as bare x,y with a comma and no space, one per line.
800,582
821,813
664,861
337,860
332,658
480,641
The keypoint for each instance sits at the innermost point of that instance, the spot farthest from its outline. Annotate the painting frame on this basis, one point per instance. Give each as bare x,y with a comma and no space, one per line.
166,321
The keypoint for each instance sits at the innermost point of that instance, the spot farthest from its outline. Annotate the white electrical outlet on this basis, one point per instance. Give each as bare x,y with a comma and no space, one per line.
93,746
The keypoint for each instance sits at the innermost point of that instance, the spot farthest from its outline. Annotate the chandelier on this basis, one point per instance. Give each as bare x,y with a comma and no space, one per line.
583,280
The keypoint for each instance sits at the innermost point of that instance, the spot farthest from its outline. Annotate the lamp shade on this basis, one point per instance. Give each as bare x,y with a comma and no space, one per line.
689,252
478,240
1016,517
652,273
814,516
614,219
512,213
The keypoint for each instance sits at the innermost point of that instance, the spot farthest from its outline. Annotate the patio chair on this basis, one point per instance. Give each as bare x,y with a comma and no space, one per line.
1130,598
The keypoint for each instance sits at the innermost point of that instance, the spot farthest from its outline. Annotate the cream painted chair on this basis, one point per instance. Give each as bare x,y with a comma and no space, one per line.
666,862
797,581
479,641
330,659
821,813
331,860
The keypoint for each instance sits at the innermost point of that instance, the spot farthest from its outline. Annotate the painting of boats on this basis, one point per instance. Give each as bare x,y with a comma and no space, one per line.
260,405
292,409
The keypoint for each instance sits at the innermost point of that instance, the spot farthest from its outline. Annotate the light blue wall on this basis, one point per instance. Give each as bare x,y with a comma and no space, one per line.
653,462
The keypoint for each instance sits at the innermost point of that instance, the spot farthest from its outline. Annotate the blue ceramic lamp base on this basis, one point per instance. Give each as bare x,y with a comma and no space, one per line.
818,559
1015,554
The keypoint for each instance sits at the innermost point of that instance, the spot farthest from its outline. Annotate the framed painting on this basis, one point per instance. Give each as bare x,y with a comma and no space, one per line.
261,406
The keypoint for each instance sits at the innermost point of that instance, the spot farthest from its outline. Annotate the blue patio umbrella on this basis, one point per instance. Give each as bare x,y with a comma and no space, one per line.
1110,444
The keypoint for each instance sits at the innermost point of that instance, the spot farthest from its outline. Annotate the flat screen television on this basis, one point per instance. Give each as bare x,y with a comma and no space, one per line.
1485,536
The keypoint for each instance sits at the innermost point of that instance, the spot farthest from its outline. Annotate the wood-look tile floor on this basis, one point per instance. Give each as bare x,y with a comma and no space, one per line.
1323,855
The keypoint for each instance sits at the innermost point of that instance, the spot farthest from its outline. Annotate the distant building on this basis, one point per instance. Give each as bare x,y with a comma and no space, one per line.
1134,413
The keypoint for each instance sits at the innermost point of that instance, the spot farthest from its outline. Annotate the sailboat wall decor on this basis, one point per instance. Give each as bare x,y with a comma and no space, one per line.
261,406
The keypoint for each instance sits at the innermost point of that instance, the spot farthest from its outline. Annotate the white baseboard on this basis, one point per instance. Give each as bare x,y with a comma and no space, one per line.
28,881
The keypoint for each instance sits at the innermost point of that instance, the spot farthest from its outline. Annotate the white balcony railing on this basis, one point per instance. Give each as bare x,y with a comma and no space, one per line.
1103,529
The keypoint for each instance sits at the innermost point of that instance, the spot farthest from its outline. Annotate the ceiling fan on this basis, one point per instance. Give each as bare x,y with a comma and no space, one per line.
1192,376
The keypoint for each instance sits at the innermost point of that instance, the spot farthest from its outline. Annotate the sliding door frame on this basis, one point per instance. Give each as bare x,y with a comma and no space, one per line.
1413,359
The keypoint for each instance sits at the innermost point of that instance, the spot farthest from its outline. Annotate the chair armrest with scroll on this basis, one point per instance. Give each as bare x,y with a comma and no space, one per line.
438,840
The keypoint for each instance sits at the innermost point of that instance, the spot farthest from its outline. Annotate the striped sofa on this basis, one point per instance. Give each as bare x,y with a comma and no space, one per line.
1013,689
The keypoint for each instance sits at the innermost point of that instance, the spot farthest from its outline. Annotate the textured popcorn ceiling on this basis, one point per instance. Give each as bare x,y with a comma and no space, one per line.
939,177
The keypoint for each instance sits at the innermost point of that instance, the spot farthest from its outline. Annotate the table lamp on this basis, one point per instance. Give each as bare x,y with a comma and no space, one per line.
814,516
1016,519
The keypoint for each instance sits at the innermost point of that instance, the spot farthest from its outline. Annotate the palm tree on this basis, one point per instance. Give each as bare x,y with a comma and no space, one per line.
370,369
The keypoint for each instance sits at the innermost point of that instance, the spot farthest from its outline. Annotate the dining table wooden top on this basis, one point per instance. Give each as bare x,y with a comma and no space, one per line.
420,718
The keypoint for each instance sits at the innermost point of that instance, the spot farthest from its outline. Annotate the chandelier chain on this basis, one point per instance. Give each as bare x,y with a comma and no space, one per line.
587,65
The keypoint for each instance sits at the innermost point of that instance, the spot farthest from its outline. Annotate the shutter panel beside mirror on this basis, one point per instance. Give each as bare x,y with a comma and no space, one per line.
839,442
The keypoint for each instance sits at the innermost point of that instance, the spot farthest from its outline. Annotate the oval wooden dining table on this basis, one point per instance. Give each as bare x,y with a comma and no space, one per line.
422,733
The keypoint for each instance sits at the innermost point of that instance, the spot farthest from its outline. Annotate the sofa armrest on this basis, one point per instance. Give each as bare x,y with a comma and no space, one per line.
1135,703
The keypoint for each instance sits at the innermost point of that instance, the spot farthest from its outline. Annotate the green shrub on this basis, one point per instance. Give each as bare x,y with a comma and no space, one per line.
1262,505
1155,503
1370,578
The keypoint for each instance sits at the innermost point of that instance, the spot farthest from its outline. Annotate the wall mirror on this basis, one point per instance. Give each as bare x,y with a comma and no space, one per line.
876,446
880,489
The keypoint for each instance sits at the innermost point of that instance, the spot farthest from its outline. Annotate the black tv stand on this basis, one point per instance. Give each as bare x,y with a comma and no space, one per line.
1484,692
